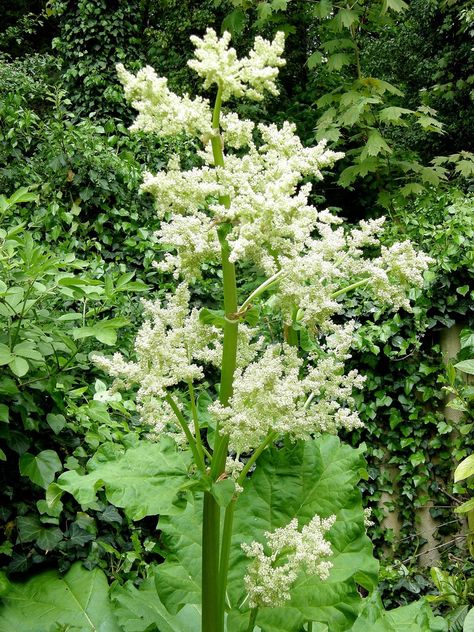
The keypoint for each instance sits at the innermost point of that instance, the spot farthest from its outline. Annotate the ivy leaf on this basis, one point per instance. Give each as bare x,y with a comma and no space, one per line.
55,422
40,469
78,601
31,529
144,481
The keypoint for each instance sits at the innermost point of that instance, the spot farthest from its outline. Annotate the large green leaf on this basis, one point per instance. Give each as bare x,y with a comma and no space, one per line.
144,481
301,480
140,610
416,617
77,602
178,579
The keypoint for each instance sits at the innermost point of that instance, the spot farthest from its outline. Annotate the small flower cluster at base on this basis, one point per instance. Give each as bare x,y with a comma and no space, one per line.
271,575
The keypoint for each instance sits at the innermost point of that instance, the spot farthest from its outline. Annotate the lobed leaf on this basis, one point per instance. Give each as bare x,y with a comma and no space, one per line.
144,481
78,601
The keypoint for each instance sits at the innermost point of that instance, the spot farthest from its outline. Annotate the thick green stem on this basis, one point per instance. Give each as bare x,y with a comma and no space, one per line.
224,557
210,565
214,573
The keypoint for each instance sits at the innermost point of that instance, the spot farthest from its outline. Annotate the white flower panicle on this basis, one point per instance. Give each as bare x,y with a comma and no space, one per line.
268,213
271,223
314,280
270,395
275,567
160,110
251,76
171,348
194,241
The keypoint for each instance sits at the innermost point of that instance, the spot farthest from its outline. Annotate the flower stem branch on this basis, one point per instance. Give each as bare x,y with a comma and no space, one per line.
348,288
215,562
271,436
261,288
197,430
198,458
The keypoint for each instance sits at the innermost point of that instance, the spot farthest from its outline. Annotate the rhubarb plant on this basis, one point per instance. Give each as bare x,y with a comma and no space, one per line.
261,522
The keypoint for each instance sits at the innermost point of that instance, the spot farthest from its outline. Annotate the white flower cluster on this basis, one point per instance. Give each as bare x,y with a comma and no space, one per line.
271,575
171,347
237,132
368,522
160,110
337,259
273,225
250,76
270,395
271,219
